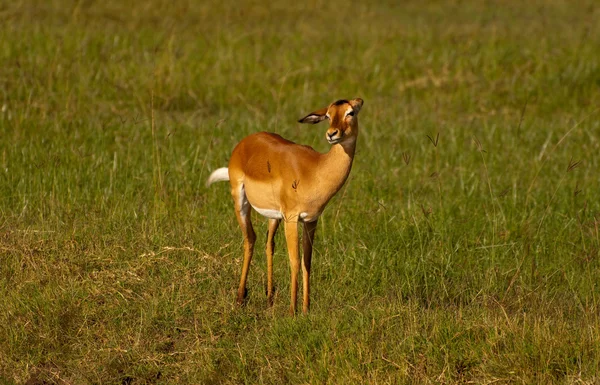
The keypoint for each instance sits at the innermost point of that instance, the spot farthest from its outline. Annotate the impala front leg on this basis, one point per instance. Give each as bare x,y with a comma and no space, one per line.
308,237
291,237
273,225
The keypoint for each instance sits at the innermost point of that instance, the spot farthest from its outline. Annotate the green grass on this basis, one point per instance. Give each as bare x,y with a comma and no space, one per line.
473,257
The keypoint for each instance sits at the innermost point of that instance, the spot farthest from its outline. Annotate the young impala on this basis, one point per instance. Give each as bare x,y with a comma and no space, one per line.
286,181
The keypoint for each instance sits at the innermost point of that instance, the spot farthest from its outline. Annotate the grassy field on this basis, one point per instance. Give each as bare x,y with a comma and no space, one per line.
464,248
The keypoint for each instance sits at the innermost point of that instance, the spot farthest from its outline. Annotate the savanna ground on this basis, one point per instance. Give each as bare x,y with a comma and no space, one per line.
464,247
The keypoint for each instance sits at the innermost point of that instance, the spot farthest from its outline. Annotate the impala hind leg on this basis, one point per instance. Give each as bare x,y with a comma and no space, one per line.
308,237
242,212
273,225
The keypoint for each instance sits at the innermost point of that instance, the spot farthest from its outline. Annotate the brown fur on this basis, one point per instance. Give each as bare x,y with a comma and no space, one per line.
272,173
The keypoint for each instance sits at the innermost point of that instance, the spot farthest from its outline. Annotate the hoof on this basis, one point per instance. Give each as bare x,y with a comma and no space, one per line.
241,297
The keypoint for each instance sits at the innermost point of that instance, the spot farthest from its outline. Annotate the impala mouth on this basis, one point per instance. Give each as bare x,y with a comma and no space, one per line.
334,140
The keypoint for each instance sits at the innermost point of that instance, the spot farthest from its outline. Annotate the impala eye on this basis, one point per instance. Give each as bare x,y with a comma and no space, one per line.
327,116
350,113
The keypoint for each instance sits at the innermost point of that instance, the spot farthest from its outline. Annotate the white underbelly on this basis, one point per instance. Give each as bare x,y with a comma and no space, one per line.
306,217
269,213
276,214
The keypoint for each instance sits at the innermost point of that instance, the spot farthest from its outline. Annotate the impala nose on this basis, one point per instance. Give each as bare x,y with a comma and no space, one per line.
334,133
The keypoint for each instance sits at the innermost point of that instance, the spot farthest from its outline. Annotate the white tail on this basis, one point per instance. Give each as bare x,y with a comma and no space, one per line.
219,175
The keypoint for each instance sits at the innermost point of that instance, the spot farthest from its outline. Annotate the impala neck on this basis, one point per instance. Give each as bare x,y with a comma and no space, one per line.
337,164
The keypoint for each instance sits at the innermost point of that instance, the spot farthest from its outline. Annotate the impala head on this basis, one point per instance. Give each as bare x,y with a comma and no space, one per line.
343,119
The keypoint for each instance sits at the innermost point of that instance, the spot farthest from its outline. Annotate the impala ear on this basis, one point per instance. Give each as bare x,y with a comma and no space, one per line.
315,117
356,104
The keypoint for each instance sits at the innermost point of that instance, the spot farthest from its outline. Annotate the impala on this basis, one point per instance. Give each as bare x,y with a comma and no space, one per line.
286,181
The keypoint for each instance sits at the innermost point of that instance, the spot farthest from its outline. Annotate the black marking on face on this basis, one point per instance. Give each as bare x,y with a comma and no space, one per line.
340,102
268,166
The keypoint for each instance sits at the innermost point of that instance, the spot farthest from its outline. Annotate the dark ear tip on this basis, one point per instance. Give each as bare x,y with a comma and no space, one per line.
311,119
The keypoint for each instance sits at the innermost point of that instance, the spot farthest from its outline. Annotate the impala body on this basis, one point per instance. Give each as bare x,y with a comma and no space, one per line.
289,182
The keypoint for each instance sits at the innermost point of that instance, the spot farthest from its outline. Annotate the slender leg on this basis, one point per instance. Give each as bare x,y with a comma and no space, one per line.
291,237
308,237
242,212
273,225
